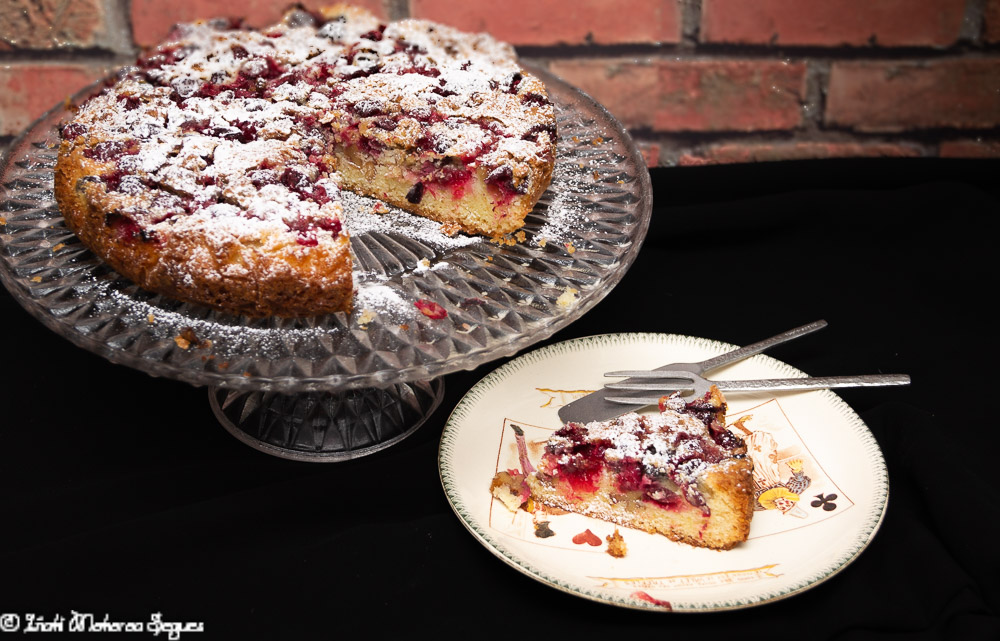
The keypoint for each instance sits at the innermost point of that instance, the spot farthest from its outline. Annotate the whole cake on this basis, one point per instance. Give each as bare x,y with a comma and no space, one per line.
211,171
680,473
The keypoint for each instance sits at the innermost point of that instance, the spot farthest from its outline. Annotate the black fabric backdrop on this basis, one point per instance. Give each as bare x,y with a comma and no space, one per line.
122,496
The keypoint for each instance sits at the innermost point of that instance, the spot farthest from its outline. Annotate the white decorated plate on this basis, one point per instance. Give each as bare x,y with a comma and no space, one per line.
826,481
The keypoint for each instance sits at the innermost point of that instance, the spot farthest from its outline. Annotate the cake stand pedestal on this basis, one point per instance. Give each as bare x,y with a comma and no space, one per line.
326,426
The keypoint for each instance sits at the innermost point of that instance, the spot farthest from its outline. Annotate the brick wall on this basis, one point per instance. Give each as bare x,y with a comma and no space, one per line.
696,81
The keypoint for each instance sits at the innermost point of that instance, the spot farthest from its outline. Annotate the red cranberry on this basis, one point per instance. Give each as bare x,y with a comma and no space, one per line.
72,130
248,130
416,193
535,130
113,150
535,99
293,179
368,108
199,125
430,309
131,103
125,228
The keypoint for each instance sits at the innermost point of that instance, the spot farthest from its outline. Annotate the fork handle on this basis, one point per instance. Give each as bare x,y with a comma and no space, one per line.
756,348
675,383
815,382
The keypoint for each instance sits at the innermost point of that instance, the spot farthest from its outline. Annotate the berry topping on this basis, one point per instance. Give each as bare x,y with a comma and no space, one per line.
73,130
430,309
112,150
416,193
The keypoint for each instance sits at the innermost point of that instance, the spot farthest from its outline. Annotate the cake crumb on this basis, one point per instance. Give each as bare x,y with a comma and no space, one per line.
542,242
616,545
404,327
380,207
597,140
567,298
570,248
187,339
520,236
450,229
3,221
151,318
58,247
542,530
366,317
36,279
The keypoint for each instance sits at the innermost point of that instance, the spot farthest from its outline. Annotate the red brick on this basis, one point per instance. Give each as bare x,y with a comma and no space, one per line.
766,151
549,22
27,91
629,89
152,19
897,96
991,21
51,24
650,153
970,149
729,95
890,23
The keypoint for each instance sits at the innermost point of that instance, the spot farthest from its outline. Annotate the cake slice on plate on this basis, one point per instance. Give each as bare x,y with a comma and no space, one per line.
680,473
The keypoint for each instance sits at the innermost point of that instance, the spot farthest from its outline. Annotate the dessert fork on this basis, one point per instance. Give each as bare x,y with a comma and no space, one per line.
680,380
597,407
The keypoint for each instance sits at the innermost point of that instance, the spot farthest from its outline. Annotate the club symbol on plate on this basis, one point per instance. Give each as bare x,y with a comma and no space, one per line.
826,501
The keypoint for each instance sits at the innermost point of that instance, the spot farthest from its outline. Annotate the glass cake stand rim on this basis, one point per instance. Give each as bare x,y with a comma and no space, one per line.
342,382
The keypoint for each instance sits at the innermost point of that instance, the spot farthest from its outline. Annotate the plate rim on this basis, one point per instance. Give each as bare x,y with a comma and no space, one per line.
865,533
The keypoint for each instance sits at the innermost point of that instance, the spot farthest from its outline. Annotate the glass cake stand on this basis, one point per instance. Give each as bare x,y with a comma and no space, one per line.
340,386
